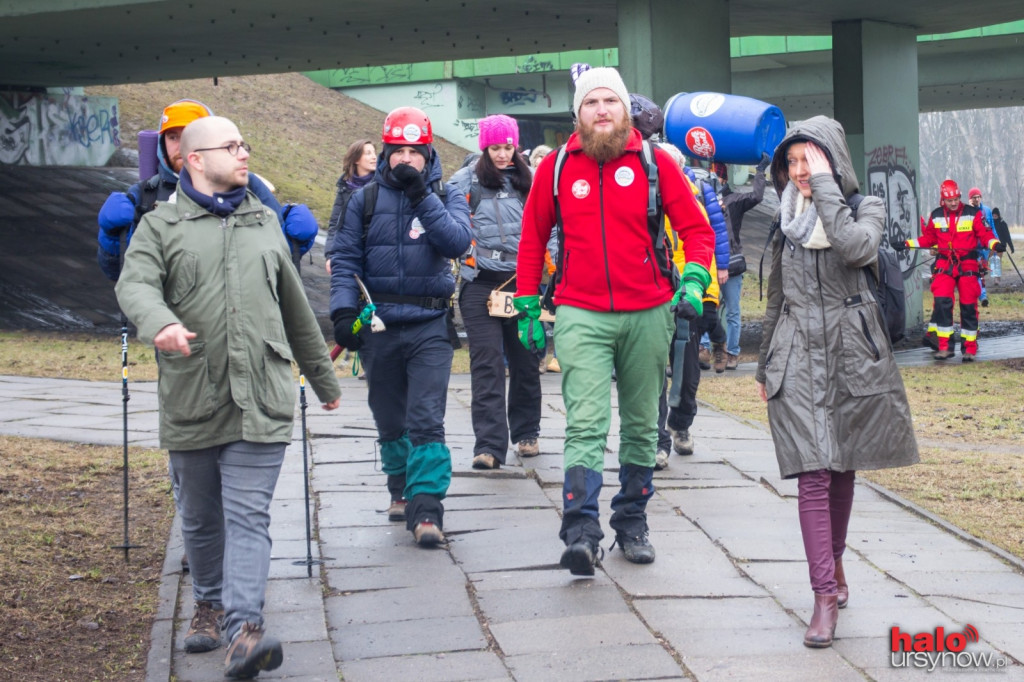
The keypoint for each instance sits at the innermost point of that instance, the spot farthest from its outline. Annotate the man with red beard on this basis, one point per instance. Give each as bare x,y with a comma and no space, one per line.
613,291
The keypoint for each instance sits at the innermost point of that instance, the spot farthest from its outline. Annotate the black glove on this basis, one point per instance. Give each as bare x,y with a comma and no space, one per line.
898,244
411,182
764,162
685,310
1000,247
343,319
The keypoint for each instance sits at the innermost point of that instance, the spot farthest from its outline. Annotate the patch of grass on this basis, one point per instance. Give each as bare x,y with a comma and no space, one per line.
72,608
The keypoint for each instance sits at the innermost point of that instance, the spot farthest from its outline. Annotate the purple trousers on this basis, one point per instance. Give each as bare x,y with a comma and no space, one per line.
825,501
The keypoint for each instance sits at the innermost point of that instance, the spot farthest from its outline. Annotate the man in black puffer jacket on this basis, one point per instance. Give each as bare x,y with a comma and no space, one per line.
402,253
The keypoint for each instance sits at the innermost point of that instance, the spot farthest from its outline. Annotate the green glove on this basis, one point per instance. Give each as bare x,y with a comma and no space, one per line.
531,331
688,301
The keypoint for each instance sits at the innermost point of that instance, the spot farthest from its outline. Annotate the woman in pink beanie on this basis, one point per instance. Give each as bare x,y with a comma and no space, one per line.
496,186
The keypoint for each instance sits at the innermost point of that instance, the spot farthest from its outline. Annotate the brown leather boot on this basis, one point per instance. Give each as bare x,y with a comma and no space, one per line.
842,589
823,622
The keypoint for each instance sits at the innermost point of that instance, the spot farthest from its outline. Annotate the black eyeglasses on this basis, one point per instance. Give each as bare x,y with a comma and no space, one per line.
231,147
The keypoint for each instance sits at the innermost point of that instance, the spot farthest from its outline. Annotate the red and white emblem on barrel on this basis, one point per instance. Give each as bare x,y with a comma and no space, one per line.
700,142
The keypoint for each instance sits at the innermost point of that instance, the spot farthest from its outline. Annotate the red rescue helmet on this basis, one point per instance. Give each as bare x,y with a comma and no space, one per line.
974,192
949,190
406,126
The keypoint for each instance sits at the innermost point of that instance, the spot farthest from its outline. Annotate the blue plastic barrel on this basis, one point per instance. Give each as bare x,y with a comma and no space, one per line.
726,128
148,140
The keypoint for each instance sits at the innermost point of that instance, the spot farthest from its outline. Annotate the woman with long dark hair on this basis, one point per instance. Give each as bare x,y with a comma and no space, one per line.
357,170
496,187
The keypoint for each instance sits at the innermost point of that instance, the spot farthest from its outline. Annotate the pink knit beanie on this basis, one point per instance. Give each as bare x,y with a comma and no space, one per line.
498,129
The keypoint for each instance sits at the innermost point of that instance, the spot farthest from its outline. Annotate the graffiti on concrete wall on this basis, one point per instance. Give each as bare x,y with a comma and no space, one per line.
57,130
518,98
430,97
892,178
533,65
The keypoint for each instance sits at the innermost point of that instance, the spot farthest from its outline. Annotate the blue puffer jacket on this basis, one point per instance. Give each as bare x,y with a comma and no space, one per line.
119,212
715,216
405,251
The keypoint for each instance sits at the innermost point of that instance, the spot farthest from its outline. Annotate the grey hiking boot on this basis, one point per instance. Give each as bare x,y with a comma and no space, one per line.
682,443
204,631
581,558
661,460
637,549
252,651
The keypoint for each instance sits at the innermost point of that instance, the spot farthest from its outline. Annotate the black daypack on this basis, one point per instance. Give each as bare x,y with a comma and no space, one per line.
885,280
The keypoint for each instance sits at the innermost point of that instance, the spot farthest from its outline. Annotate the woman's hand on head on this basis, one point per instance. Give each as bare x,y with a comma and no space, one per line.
817,162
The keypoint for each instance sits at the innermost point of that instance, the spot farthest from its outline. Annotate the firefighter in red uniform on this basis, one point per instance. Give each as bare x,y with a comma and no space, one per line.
957,230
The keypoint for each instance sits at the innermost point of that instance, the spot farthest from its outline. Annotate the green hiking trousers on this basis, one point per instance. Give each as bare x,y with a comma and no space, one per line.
590,344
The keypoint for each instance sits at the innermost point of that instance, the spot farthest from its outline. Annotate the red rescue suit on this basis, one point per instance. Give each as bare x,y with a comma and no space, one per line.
957,235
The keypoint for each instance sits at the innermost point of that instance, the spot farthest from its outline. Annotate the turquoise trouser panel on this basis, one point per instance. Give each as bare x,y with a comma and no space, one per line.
590,344
428,471
394,454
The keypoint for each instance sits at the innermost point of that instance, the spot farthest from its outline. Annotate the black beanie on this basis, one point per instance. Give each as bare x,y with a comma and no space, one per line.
423,149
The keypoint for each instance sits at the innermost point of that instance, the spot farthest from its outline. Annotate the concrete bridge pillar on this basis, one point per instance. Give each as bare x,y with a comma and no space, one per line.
875,90
670,46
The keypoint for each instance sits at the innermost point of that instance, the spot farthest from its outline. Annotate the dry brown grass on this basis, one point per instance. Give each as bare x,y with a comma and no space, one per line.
73,609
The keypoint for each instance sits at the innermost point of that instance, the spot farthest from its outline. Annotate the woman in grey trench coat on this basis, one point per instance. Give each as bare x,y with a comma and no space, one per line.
836,401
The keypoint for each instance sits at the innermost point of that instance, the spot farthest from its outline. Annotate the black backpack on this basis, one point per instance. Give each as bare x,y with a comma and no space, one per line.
884,278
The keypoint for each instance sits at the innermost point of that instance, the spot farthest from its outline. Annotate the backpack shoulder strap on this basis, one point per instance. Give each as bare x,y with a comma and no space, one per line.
369,204
651,169
853,201
147,197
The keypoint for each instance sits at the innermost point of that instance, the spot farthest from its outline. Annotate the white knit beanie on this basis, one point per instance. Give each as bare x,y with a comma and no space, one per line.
601,77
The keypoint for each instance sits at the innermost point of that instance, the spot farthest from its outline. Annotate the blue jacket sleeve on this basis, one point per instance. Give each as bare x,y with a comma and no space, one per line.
717,219
266,197
300,226
447,223
117,213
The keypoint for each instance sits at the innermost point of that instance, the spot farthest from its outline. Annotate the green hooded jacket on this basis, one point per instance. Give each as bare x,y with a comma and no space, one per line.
231,281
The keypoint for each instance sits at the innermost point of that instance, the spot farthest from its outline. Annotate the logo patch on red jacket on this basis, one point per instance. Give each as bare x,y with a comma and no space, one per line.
700,142
580,189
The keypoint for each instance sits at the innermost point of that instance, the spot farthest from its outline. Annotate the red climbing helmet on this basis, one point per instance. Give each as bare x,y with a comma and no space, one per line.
949,190
407,126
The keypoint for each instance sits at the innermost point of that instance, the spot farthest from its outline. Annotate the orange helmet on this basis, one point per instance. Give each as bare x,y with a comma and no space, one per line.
179,114
949,190
406,126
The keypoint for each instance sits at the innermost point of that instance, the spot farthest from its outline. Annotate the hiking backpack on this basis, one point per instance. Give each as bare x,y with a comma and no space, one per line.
885,279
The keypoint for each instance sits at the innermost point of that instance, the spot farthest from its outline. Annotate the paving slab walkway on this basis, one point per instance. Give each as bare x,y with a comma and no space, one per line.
727,599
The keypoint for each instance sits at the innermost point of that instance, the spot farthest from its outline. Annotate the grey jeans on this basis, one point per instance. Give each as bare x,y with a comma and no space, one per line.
224,497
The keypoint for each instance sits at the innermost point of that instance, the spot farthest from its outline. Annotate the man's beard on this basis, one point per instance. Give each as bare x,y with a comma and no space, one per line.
605,146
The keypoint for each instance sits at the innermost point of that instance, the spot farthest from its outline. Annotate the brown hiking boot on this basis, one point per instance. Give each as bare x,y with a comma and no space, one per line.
204,631
486,461
396,510
718,350
252,651
704,358
528,447
426,534
943,354
732,361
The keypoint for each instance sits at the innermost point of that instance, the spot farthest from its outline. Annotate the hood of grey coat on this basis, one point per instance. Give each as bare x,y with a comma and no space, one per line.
828,134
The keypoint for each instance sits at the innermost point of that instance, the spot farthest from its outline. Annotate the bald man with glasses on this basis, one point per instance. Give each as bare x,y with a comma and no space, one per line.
208,280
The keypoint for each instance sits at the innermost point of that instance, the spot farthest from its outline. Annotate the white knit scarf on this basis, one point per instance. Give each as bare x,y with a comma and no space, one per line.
799,219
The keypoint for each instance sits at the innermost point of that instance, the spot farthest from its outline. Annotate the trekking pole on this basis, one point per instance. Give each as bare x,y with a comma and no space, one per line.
309,561
126,545
1007,254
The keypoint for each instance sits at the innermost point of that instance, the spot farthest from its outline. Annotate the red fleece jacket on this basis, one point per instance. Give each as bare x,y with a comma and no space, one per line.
608,262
